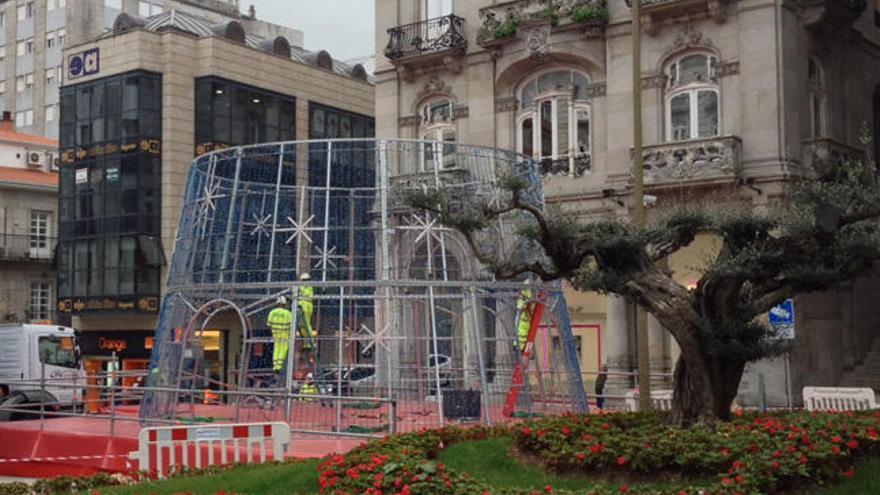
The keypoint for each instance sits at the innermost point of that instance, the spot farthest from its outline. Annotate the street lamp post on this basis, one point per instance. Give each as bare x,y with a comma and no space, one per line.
641,322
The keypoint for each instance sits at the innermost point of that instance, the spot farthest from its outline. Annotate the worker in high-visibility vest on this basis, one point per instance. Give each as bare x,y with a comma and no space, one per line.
279,323
524,310
306,304
309,387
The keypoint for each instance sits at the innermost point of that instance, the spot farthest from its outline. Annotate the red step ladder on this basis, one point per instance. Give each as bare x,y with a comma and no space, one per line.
522,366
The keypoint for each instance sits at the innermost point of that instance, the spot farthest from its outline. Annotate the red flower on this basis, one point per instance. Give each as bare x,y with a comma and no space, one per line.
566,430
836,439
526,431
777,454
596,448
405,490
852,444
774,465
580,456
548,488
803,459
835,449
621,461
725,452
849,473
605,426
739,479
624,488
726,481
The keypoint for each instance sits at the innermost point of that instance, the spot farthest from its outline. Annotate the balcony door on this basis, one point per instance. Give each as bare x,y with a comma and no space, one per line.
39,235
435,12
436,8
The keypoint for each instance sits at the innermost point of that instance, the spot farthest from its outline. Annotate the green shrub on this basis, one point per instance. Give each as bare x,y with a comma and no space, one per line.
751,454
588,13
506,29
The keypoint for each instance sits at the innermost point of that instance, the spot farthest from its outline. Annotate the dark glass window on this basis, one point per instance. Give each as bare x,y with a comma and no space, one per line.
110,186
232,114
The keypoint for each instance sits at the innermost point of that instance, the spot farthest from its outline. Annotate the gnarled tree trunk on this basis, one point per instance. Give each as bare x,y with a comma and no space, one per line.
704,387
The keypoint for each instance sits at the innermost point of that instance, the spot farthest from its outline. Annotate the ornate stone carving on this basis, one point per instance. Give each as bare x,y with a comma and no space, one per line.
408,121
824,157
725,69
433,86
505,104
690,37
597,89
692,161
538,42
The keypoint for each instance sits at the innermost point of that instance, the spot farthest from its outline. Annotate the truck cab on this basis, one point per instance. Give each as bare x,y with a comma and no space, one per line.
29,352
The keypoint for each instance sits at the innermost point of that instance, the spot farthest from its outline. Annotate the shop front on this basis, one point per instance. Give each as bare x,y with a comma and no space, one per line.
107,351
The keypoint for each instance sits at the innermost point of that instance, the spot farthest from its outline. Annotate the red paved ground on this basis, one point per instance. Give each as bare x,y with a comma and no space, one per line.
90,436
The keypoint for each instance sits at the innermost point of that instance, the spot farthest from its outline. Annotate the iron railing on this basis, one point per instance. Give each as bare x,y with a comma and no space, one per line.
15,247
437,35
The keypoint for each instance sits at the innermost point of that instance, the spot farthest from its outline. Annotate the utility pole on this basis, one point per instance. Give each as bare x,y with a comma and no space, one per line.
644,362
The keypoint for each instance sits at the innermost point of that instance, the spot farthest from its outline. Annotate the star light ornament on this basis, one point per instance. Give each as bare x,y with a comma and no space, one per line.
298,229
261,226
207,205
425,227
328,259
374,339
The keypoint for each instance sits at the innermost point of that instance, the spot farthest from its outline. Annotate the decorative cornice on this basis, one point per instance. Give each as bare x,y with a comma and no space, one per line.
597,89
408,121
505,104
725,69
655,81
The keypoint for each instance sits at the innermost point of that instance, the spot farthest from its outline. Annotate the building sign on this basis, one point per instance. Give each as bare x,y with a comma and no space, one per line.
83,64
82,175
147,304
781,318
126,344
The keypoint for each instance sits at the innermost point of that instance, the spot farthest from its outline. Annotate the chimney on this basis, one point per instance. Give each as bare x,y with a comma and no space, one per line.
7,124
252,11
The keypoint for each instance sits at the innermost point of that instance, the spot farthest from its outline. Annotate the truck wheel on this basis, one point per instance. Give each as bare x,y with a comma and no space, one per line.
14,401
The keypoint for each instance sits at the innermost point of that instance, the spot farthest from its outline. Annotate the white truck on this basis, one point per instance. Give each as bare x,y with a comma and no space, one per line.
31,352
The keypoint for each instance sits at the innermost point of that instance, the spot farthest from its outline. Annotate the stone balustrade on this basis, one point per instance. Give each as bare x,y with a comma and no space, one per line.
714,159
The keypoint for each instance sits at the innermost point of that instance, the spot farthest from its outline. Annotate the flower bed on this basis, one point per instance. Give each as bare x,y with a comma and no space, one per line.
752,454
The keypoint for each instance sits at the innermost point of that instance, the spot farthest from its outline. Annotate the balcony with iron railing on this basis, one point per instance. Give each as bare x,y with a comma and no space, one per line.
693,162
432,42
27,248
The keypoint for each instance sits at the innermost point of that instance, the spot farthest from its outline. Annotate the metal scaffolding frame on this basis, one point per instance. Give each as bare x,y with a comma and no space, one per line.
412,330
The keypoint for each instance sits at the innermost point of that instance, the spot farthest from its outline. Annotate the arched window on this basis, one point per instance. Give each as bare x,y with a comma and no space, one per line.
553,123
437,124
692,98
816,80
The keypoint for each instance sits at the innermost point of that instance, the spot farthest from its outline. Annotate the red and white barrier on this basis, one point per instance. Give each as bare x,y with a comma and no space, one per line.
162,450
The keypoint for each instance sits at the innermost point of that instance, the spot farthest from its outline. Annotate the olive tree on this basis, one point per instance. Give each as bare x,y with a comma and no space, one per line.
823,232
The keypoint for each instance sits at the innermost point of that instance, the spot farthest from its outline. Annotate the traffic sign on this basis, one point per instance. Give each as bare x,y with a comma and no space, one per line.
781,318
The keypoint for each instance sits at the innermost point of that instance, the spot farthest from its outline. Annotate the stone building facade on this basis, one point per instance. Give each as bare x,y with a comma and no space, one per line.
156,93
28,217
738,96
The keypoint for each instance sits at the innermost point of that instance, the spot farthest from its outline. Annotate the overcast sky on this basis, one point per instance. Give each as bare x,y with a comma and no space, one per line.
342,27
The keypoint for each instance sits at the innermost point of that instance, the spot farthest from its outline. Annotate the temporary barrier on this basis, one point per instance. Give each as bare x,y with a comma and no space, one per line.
838,399
162,450
661,400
